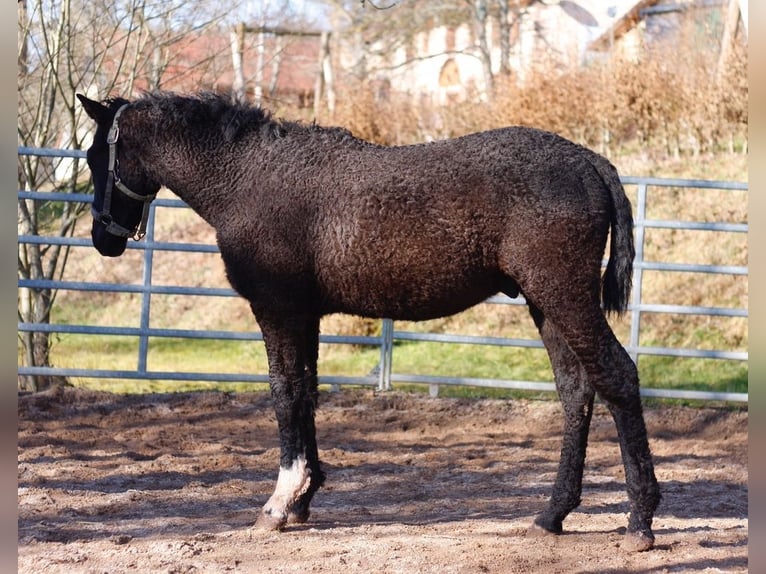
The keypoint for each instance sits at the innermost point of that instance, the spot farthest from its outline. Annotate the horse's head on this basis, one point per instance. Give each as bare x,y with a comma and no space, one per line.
122,188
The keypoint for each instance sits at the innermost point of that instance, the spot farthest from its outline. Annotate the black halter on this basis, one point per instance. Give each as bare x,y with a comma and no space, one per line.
112,181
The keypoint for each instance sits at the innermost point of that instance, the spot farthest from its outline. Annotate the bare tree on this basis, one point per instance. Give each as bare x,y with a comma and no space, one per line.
273,33
237,37
67,46
505,24
373,31
480,21
729,39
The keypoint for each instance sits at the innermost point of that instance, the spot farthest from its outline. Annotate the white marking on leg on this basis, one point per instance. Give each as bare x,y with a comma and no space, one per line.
291,484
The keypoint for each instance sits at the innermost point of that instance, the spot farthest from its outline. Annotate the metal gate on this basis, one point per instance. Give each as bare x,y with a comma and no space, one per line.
385,375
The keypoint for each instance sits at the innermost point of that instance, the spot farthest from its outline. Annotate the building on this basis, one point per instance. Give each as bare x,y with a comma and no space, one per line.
651,24
444,64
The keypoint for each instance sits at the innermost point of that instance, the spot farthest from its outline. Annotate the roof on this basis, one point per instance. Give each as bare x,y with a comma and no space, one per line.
621,26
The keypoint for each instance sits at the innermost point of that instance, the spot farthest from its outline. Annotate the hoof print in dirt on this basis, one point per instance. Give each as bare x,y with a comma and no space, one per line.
537,531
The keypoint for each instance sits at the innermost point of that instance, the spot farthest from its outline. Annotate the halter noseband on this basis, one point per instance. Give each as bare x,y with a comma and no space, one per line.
112,181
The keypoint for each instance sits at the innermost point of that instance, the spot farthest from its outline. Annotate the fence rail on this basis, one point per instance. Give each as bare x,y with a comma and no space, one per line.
385,376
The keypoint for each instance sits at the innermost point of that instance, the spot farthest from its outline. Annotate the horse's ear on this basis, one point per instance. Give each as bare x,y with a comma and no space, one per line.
95,110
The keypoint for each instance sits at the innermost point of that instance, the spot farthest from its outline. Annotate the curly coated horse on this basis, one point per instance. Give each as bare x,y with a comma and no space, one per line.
311,221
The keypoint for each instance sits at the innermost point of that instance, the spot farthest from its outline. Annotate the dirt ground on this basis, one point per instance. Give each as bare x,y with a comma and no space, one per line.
172,484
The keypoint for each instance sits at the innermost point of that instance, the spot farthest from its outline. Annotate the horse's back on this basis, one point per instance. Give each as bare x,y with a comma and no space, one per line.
428,230
422,231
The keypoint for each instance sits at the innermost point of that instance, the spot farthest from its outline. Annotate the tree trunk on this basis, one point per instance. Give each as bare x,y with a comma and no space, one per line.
505,39
480,24
728,40
325,83
276,65
237,55
34,307
260,52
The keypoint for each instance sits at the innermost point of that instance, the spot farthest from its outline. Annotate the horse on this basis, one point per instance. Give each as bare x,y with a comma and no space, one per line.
311,221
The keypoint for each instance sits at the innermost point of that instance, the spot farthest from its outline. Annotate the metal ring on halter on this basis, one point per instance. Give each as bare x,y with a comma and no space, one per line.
112,226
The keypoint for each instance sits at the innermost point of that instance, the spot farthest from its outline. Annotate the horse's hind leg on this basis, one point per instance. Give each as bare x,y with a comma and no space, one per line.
292,347
577,399
613,375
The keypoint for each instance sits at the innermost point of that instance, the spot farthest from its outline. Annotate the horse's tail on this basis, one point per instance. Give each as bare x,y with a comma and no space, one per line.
618,277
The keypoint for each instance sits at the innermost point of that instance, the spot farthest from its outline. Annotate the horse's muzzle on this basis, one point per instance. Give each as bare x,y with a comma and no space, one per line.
105,243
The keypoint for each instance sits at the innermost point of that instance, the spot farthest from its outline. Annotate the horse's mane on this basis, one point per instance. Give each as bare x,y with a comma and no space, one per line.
208,111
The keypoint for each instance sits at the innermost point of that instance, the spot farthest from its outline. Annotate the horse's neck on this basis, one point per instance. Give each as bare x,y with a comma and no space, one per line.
194,176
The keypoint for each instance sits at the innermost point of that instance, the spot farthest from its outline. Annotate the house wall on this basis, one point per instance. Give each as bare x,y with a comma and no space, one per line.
442,64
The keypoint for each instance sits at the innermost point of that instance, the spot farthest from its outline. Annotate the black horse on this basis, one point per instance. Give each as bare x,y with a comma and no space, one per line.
312,221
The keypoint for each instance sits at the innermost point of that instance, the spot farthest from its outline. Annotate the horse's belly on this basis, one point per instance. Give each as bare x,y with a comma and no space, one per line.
408,299
407,269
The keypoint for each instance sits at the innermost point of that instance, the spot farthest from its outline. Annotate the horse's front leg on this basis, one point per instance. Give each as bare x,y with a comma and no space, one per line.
292,348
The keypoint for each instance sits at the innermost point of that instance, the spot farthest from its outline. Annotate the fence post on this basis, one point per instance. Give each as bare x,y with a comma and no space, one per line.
386,354
635,321
146,293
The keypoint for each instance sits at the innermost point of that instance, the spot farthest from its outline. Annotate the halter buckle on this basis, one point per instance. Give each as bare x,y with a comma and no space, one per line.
114,133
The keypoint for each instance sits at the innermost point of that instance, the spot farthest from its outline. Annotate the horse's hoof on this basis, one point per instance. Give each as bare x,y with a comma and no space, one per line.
537,531
269,523
638,541
298,517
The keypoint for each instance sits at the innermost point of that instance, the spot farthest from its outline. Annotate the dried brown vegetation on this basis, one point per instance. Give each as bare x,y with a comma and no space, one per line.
665,106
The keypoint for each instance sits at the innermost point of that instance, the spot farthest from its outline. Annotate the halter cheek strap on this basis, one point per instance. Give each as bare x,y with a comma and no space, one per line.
112,181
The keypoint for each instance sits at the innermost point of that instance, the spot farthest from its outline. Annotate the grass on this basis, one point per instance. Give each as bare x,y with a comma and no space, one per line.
719,375
448,360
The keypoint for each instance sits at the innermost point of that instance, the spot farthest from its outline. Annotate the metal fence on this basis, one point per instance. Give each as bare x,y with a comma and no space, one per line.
384,376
